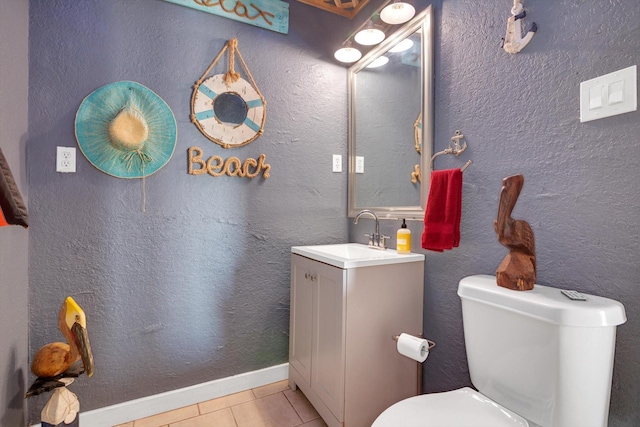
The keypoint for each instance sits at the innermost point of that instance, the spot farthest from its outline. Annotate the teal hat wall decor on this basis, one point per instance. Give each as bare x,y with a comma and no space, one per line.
126,130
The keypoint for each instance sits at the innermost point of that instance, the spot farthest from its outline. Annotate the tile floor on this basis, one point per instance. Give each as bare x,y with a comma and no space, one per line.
272,405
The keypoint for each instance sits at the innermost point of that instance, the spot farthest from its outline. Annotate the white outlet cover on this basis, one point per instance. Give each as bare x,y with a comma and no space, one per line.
359,164
609,95
337,163
65,159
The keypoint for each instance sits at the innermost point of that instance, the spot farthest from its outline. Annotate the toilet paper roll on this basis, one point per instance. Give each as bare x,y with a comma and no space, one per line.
413,347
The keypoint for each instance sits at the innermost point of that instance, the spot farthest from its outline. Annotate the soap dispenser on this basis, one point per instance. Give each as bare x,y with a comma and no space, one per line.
403,239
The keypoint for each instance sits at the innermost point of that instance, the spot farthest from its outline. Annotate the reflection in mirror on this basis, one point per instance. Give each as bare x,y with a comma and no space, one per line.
385,132
230,108
417,133
388,139
416,175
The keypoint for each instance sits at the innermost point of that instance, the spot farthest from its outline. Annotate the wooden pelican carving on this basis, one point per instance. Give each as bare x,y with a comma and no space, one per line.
55,358
517,270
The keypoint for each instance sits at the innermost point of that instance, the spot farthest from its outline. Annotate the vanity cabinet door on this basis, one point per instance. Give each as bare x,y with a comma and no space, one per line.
316,336
328,349
301,327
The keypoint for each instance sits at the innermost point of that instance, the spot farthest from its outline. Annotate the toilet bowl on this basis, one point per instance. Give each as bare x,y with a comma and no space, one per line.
464,407
528,352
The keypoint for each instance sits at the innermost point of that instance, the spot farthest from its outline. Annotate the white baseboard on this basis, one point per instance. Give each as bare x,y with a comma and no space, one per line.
174,399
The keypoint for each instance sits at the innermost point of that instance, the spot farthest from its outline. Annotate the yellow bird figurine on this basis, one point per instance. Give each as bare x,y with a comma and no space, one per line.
55,358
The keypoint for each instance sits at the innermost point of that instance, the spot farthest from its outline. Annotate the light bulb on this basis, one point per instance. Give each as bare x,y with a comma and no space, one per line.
405,44
347,54
397,12
369,36
378,62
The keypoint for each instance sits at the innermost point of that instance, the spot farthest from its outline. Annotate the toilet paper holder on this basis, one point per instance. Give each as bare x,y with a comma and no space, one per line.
431,343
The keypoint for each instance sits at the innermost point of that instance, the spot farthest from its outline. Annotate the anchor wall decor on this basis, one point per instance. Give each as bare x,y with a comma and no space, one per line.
514,42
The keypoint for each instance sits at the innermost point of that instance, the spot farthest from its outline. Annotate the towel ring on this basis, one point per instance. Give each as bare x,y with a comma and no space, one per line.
456,149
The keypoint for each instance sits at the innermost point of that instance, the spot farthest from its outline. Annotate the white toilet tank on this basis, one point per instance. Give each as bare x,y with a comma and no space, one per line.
540,354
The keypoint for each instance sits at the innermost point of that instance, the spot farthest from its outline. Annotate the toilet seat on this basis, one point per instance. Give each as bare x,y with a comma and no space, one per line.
464,407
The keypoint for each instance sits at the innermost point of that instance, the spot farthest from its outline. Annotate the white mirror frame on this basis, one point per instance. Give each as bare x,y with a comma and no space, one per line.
423,20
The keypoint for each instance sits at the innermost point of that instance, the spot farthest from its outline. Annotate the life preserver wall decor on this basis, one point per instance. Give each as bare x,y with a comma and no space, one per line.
227,109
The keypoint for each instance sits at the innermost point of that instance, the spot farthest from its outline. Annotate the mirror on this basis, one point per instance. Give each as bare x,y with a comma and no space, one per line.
391,123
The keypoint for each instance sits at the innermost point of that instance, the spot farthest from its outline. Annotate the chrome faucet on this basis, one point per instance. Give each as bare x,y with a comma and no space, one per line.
376,240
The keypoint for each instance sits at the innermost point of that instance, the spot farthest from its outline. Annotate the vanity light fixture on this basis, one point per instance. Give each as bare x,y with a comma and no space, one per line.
379,62
347,53
369,35
374,30
405,44
397,12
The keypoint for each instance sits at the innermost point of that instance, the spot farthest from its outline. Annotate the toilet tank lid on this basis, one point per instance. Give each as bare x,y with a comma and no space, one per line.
544,303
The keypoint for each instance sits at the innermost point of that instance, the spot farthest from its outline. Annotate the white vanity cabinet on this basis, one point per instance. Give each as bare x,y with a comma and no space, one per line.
343,319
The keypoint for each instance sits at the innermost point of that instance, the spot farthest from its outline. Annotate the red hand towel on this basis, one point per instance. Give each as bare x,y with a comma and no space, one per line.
443,211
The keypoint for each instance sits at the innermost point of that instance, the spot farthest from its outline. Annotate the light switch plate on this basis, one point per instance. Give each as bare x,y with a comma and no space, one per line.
359,164
609,95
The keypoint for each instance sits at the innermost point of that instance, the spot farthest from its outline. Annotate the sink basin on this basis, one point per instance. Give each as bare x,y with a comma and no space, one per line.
352,255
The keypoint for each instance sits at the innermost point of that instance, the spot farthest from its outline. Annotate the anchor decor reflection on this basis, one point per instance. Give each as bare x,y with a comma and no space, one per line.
270,14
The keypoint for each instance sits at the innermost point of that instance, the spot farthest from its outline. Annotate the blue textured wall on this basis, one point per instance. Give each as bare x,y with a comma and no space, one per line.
197,287
520,114
14,285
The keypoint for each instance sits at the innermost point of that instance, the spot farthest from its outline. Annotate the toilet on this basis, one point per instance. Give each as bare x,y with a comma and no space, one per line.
536,358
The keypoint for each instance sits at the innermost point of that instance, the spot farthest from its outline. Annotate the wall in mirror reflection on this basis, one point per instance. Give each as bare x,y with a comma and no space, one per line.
388,103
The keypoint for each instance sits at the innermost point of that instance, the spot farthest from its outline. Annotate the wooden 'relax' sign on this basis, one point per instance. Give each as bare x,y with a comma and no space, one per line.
270,14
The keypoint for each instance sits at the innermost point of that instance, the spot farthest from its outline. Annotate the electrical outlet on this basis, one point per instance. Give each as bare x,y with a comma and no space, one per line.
359,164
337,163
66,159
